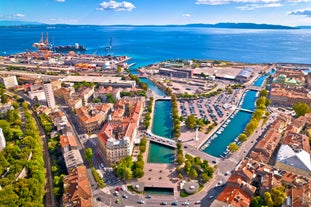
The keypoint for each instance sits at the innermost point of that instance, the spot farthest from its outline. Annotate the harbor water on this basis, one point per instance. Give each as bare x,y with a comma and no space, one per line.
218,142
162,126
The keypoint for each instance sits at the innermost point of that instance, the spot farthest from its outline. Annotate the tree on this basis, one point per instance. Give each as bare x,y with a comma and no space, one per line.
193,173
204,177
138,173
278,195
110,98
190,122
127,173
268,199
233,147
257,201
301,109
242,137
88,155
180,159
263,93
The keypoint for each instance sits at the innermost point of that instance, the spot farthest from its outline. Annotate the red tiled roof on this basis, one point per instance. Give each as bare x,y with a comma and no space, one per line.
77,189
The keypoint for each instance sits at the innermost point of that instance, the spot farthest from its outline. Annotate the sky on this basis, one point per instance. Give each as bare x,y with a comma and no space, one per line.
157,12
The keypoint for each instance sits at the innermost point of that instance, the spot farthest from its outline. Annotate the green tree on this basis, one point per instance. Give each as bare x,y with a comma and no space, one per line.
88,155
138,173
180,159
257,201
278,195
190,122
268,199
204,177
242,137
263,93
301,109
110,98
233,147
193,173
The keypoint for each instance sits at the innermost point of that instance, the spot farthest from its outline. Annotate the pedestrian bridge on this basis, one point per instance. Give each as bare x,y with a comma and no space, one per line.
161,140
162,97
246,110
254,88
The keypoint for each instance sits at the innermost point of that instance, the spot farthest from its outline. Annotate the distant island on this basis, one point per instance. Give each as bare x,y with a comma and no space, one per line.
218,25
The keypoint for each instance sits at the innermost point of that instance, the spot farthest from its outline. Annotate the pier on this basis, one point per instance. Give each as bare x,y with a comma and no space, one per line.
161,140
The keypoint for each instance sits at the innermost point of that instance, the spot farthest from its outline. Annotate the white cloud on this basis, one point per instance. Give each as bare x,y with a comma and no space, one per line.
186,15
116,6
60,0
304,12
19,15
219,2
258,6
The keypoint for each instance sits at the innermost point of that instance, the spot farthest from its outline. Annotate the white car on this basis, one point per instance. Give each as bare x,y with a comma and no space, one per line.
197,202
141,201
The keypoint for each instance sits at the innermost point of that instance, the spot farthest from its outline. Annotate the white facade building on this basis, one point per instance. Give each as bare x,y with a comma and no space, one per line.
49,94
2,140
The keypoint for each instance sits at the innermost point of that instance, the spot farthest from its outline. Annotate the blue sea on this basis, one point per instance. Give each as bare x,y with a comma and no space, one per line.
147,44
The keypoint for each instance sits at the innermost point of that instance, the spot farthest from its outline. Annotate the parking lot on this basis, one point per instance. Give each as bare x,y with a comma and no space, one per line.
212,109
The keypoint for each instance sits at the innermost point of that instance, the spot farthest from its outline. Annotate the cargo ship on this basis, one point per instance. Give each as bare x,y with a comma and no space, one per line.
44,45
67,48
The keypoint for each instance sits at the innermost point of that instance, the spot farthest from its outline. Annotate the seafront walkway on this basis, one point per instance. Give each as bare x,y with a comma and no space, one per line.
161,140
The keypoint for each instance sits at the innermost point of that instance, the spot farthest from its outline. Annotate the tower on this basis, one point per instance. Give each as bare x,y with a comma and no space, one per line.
2,140
49,94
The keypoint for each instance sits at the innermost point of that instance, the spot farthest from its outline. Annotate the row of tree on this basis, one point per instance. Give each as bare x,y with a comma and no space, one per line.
261,104
23,152
196,96
148,114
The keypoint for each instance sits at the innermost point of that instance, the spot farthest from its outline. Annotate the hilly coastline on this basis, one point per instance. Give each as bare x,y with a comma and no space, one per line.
218,25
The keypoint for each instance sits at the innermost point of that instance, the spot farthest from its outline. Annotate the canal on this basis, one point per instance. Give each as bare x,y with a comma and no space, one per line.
162,125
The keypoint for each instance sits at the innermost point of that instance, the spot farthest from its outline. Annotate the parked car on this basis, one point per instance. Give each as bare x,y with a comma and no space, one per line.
163,203
141,201
197,202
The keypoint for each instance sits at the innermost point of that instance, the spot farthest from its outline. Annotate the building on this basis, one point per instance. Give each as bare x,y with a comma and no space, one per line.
232,197
92,117
72,159
38,95
297,161
2,140
244,75
264,149
77,188
68,142
9,81
102,92
116,138
176,72
49,94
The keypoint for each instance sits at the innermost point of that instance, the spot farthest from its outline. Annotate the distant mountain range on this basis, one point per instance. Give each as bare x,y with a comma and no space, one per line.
18,23
218,25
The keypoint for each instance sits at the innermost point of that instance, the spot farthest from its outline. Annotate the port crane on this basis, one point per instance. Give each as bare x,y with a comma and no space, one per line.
109,47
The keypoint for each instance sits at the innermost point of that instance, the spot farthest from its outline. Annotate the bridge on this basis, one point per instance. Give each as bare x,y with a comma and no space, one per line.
254,88
156,97
246,110
161,140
